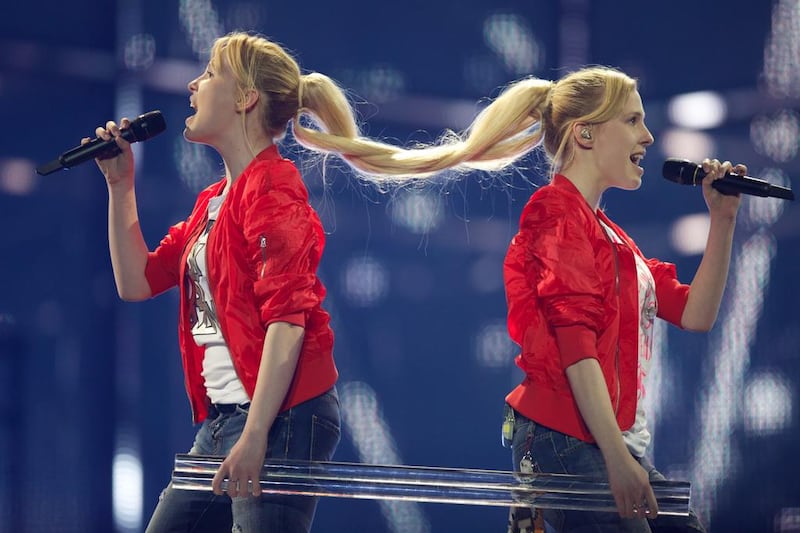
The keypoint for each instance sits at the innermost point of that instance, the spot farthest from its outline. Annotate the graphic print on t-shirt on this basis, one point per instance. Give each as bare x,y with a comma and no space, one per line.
204,318
649,308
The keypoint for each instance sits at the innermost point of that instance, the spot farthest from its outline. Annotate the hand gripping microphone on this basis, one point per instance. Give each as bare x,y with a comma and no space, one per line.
687,173
141,128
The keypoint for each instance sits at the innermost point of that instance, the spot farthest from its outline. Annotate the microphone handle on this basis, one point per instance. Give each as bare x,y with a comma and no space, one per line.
732,185
95,148
729,187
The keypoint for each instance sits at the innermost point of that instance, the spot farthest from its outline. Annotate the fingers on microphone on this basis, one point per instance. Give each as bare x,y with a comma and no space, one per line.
726,168
112,128
714,168
102,133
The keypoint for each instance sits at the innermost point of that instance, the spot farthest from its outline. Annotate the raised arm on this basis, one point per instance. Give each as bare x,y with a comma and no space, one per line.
708,285
125,241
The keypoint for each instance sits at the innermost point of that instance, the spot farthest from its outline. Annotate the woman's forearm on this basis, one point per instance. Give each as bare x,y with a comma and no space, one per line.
126,243
590,393
708,285
282,344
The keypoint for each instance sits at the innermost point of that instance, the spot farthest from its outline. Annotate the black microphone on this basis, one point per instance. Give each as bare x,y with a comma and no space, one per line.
687,173
141,128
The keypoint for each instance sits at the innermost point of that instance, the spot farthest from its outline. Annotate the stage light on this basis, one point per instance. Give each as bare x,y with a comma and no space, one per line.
697,111
782,52
492,346
686,144
377,84
759,211
365,281
127,487
201,24
371,435
689,234
196,166
511,39
767,404
417,211
17,176
776,137
716,459
140,52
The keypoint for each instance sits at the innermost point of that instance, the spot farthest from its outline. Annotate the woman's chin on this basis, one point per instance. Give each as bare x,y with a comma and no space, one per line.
188,133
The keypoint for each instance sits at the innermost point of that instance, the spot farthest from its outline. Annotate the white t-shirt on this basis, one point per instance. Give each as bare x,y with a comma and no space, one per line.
222,383
637,438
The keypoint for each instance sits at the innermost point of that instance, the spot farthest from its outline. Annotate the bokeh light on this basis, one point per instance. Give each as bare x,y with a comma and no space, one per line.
371,435
509,36
493,347
757,211
377,84
201,23
417,211
782,53
365,281
140,52
768,401
689,233
127,480
17,176
776,136
686,144
195,164
700,110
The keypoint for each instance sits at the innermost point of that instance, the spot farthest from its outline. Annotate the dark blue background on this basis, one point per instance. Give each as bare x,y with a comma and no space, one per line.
83,375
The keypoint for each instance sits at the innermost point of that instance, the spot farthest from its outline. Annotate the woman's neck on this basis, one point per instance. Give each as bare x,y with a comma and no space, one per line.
587,185
237,157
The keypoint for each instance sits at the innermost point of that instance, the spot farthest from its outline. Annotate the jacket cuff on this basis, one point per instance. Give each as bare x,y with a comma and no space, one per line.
575,343
296,319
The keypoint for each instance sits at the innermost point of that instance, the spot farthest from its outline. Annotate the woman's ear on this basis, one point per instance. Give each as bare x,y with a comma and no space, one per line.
248,100
582,134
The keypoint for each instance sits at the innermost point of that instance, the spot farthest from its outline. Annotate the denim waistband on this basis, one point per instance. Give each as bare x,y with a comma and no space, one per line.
226,408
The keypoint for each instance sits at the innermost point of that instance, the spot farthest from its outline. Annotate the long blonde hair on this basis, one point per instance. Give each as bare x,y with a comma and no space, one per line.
527,113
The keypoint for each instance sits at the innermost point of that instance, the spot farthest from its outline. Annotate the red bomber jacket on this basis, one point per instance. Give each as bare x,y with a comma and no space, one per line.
262,256
573,294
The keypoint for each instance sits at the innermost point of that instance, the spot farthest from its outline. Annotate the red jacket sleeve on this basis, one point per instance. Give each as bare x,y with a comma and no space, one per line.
671,294
163,264
564,273
285,241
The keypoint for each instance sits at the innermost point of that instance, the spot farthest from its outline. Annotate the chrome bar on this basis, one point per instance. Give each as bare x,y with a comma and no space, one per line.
429,484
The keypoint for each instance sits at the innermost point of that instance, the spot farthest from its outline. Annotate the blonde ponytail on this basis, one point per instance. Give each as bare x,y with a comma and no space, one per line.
528,113
500,134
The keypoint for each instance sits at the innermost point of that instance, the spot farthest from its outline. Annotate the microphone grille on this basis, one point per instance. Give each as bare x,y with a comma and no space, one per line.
679,170
148,125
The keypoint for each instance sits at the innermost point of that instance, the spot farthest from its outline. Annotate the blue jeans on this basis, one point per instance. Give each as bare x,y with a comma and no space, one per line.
558,453
309,431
